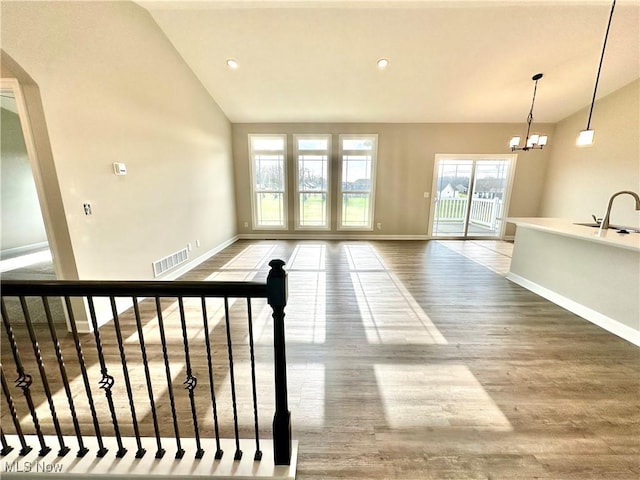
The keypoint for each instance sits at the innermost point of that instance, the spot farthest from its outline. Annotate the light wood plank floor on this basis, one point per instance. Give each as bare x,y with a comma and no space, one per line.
407,360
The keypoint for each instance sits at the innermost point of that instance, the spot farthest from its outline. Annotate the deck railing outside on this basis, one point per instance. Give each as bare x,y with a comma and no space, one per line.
484,211
111,357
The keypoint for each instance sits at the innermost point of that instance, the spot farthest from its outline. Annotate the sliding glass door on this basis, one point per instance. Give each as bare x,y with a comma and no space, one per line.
471,195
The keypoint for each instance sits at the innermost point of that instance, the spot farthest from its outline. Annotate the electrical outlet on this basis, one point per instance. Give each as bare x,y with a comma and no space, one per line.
426,194
87,209
246,224
197,244
379,226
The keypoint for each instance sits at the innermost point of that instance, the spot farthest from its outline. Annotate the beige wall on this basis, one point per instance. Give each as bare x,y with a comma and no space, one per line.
580,180
406,154
114,89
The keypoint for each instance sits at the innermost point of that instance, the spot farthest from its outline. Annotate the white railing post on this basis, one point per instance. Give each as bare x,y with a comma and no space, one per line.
495,208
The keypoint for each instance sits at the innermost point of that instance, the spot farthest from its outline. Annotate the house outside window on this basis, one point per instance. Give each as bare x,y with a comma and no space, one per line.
358,155
268,155
312,179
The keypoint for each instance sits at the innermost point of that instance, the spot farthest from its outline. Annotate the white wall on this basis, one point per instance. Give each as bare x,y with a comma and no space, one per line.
113,89
580,180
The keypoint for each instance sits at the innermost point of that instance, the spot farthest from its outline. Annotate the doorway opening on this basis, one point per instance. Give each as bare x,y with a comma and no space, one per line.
24,247
471,195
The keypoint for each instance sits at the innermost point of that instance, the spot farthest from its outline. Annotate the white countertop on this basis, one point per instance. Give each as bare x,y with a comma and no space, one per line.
562,226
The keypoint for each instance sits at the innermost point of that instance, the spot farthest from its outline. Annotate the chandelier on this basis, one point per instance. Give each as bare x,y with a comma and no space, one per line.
531,141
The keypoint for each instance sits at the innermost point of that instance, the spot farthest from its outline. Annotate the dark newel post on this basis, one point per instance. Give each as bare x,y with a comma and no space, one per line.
277,299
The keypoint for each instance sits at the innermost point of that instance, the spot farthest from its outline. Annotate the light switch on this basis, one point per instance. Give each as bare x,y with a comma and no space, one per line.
119,168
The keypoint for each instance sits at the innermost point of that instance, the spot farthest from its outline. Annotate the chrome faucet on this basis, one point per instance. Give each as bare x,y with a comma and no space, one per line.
605,221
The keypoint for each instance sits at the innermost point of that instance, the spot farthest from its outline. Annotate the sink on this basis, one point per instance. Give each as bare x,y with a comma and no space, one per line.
611,227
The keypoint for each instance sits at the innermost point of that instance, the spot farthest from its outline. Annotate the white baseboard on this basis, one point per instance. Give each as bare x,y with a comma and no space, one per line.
25,260
344,236
174,274
623,331
328,236
24,249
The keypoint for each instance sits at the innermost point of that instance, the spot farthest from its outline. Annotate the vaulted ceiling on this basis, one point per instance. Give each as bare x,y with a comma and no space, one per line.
450,61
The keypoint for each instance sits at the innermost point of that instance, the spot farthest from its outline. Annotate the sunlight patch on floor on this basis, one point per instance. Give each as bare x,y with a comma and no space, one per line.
390,314
305,318
307,257
363,257
305,314
439,395
306,393
193,319
254,257
492,254
307,307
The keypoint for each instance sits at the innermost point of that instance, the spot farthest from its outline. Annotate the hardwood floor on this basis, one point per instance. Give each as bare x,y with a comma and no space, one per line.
406,360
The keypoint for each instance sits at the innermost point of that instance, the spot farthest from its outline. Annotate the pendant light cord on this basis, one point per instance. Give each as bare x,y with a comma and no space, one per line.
595,89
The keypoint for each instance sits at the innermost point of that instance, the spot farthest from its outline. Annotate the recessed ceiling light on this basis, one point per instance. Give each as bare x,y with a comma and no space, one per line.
382,63
231,63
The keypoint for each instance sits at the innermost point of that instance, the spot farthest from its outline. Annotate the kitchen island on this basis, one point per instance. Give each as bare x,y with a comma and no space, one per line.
594,275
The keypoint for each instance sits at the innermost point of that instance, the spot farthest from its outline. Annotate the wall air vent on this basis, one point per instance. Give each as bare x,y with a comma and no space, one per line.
167,263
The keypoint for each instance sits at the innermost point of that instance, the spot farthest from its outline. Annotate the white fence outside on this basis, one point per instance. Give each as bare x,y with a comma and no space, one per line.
484,211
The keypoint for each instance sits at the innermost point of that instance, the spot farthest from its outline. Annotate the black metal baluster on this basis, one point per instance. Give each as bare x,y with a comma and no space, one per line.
65,379
165,355
191,381
127,382
238,454
219,450
160,453
258,455
24,380
6,448
102,450
14,415
43,375
107,381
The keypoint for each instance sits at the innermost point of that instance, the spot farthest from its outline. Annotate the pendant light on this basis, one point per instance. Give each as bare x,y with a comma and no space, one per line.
534,141
585,137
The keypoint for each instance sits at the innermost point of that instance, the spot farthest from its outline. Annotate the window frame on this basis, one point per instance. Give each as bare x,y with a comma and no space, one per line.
372,190
254,192
298,192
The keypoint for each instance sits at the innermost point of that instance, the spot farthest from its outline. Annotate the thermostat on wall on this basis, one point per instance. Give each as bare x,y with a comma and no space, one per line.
119,168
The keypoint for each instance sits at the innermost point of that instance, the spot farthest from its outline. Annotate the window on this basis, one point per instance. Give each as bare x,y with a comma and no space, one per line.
358,154
312,163
268,155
